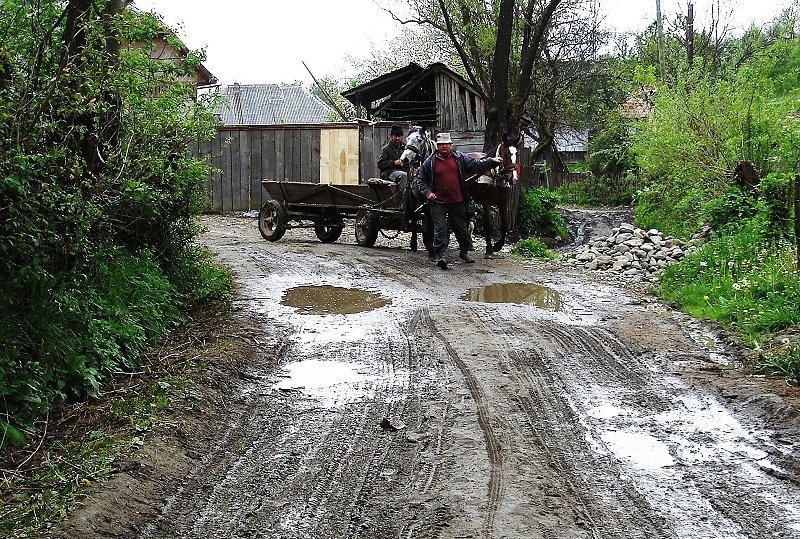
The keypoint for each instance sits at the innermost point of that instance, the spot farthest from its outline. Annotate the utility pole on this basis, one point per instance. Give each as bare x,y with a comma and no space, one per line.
690,35
660,27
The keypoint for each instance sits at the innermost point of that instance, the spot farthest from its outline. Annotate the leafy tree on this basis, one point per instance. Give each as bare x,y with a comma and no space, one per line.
499,44
98,196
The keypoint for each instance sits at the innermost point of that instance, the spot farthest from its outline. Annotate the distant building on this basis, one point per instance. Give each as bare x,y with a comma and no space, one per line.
572,144
270,104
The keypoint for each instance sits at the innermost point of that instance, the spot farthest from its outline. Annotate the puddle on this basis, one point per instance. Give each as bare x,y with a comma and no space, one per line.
642,450
334,383
524,293
326,299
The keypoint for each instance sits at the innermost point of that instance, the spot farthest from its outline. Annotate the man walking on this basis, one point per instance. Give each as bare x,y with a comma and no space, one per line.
442,180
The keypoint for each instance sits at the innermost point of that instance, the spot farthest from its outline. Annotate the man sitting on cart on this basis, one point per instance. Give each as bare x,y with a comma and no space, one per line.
389,163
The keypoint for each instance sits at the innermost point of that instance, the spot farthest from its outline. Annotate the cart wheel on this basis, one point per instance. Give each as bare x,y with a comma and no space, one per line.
367,227
328,233
270,220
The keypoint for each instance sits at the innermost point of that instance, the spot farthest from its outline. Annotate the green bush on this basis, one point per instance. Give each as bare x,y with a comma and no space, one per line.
727,212
100,199
745,280
599,192
537,215
532,248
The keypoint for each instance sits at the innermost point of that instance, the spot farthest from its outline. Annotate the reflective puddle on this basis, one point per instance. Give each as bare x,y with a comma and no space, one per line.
524,293
326,299
334,383
642,450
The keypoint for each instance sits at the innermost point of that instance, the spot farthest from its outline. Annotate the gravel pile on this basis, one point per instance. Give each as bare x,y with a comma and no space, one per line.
629,251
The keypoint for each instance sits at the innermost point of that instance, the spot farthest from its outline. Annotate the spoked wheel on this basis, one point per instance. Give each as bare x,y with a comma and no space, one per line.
328,233
367,227
272,221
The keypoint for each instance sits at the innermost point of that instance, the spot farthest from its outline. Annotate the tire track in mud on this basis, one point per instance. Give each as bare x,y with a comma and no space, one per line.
542,373
493,447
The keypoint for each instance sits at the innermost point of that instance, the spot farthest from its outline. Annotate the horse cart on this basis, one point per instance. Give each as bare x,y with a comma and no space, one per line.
376,206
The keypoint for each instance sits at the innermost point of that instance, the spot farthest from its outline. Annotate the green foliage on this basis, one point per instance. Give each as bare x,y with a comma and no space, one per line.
776,195
726,213
784,363
594,191
744,280
99,198
610,153
537,215
532,248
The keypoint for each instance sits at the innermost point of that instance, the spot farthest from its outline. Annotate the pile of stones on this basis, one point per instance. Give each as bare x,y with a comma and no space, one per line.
630,251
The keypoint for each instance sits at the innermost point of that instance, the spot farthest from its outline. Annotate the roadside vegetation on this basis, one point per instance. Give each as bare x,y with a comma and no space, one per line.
99,205
716,152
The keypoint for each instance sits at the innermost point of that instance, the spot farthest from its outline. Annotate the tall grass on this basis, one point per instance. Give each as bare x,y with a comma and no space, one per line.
746,280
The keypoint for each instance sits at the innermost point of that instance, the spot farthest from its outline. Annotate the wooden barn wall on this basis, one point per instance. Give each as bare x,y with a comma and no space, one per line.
457,107
242,156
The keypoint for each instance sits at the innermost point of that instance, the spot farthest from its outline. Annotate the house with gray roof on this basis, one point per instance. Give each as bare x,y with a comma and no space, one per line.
270,104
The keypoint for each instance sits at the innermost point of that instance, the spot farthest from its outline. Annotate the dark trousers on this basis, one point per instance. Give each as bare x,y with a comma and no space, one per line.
448,217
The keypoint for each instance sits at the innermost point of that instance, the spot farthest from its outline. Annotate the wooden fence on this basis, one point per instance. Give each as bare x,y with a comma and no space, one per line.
243,156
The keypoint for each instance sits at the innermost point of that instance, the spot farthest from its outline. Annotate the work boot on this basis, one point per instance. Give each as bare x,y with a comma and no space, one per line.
442,263
466,258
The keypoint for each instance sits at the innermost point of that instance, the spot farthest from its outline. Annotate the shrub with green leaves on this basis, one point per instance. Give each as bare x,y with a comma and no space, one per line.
532,248
537,215
745,280
100,198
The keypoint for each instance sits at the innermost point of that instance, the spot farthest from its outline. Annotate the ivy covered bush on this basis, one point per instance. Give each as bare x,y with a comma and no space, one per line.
99,199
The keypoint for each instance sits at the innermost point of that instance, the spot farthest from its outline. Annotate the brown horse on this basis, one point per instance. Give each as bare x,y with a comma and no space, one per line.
493,189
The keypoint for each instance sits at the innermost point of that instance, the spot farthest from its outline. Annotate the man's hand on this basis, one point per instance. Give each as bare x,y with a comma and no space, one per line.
431,197
498,160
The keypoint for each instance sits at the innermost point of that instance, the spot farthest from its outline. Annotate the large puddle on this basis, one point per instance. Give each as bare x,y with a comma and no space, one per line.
523,293
334,383
326,299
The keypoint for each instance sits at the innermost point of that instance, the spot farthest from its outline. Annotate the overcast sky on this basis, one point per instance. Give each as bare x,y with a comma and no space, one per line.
257,41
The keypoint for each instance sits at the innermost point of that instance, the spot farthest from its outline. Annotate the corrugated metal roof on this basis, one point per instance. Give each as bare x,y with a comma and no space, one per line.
270,104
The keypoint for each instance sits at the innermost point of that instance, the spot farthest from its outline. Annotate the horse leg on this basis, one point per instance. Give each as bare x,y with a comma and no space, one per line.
487,230
503,231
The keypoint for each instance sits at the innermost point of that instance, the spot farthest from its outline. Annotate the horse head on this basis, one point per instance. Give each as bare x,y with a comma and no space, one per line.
508,151
417,146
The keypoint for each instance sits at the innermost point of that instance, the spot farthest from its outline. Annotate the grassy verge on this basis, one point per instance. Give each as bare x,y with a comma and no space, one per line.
83,443
749,282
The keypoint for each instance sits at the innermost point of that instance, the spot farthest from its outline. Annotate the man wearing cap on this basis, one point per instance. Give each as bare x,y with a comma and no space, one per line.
442,180
389,163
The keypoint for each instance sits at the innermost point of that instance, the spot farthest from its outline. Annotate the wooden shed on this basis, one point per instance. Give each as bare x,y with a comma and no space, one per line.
436,97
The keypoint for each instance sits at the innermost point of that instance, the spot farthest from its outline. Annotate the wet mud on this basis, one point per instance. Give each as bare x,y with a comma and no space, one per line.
501,399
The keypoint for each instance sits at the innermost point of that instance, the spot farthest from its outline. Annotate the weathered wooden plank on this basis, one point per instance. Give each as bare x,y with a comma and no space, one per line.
280,155
216,174
235,170
256,164
313,153
304,163
227,170
242,183
294,166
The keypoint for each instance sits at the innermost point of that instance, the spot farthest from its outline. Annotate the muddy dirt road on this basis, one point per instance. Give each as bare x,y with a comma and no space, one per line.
501,399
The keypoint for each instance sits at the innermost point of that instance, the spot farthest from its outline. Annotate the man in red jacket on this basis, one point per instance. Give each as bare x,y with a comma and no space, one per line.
442,181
